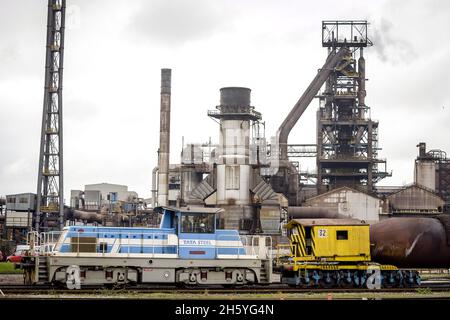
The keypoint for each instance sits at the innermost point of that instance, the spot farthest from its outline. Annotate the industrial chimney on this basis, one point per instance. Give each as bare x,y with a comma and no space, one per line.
164,138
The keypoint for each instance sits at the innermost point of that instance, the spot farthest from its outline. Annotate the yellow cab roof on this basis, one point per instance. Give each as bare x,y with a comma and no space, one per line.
325,222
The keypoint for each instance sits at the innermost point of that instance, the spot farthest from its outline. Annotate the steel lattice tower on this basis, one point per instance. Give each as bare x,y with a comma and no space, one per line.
347,138
50,196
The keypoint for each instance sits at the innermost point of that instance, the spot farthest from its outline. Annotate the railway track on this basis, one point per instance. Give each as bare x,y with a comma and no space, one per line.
100,291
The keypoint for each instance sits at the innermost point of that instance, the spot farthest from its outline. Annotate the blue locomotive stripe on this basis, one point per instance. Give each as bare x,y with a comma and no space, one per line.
113,240
156,249
125,248
231,251
117,235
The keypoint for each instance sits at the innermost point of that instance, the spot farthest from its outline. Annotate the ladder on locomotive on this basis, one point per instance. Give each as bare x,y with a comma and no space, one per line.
35,240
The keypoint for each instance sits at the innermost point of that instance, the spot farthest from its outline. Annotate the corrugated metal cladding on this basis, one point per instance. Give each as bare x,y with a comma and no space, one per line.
21,202
415,198
19,219
348,202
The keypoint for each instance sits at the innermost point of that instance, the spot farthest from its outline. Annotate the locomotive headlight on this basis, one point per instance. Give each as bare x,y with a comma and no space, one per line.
166,274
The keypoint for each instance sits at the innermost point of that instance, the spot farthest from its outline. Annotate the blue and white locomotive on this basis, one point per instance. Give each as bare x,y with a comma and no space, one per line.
187,248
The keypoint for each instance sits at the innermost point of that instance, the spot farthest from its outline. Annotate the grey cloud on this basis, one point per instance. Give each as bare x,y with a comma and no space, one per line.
8,54
405,30
389,45
22,34
179,21
419,88
80,110
109,138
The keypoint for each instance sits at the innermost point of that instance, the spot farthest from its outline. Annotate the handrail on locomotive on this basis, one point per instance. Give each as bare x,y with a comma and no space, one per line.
47,243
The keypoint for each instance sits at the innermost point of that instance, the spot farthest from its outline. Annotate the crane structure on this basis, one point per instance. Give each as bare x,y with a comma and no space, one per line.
50,191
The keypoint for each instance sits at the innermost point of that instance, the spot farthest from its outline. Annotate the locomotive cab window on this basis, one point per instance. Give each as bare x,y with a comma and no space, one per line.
83,244
342,235
197,223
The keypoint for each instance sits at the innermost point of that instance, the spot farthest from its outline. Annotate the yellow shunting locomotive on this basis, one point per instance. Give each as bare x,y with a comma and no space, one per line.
336,253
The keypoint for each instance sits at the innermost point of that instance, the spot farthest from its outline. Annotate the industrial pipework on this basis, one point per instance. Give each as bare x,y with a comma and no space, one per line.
314,213
164,138
154,186
285,128
361,84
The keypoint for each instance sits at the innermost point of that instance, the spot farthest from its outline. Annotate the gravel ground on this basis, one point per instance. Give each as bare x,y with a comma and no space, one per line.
271,296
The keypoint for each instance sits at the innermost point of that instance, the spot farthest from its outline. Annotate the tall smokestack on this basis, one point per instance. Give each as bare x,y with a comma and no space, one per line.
164,138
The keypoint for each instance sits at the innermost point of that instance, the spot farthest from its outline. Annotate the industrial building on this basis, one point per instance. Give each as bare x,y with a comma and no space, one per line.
95,196
237,211
231,179
109,205
415,200
255,179
18,216
258,183
21,202
348,202
432,170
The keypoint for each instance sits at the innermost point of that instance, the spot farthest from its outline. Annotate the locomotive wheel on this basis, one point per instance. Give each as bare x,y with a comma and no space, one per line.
387,283
411,279
344,283
305,285
324,284
303,282
315,278
312,284
327,280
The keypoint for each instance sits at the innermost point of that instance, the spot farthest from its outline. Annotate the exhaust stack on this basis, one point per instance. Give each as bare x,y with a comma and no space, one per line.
164,138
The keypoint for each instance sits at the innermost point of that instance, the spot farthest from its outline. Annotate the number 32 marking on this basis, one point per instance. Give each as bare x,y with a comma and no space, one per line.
323,233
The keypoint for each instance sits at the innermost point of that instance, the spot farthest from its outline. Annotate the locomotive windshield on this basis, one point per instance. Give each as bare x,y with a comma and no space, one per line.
197,222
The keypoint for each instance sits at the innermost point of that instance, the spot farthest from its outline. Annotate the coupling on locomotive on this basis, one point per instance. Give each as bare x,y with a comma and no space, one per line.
189,249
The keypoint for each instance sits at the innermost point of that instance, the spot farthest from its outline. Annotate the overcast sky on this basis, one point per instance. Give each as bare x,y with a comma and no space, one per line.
115,49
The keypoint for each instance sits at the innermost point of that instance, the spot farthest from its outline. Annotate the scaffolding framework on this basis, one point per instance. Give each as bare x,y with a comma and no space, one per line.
347,138
50,196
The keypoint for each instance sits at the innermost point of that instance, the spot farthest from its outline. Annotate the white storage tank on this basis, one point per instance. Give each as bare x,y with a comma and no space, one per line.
425,173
